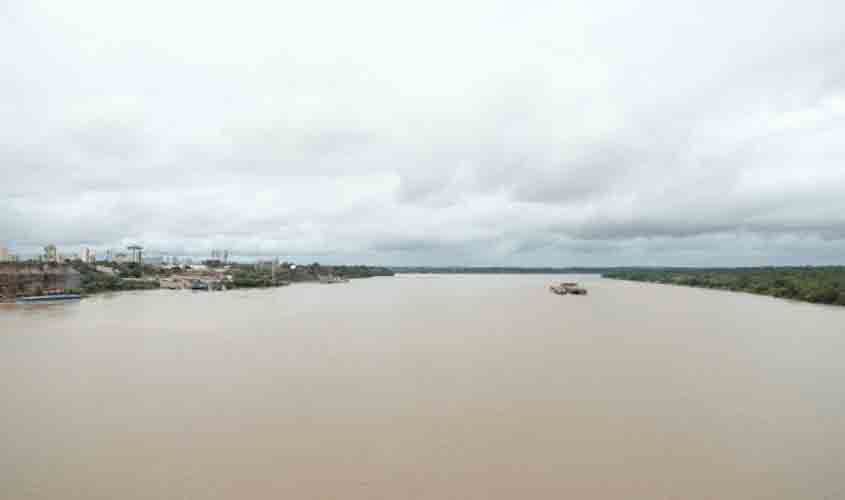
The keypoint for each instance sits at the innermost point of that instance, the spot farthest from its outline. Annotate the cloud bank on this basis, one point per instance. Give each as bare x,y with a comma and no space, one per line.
470,133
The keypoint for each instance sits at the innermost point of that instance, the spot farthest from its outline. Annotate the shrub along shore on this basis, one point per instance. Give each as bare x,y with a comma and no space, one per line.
819,285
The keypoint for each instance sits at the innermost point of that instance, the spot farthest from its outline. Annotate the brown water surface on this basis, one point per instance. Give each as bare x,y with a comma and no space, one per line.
424,387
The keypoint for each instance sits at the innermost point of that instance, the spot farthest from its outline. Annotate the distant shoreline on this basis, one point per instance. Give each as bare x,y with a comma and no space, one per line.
494,270
592,270
815,285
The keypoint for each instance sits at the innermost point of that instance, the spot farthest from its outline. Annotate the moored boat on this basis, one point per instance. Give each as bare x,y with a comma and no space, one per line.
56,297
200,285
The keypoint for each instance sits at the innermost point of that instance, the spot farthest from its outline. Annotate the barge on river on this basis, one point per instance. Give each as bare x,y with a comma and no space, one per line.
566,288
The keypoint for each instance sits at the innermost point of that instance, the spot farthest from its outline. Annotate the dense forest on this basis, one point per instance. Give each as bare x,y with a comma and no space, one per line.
820,285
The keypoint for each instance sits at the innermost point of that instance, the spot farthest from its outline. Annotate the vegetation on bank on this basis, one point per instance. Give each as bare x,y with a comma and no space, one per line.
266,274
819,285
131,276
94,281
354,272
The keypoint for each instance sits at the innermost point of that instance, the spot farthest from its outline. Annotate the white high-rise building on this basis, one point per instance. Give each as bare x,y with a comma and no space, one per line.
88,255
171,260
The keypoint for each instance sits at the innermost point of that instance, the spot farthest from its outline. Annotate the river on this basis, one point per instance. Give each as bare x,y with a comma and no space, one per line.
424,387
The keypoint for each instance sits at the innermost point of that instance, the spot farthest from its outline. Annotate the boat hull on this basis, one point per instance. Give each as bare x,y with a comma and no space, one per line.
48,298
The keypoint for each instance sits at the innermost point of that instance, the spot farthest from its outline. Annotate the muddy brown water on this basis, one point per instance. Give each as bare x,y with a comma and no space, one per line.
424,387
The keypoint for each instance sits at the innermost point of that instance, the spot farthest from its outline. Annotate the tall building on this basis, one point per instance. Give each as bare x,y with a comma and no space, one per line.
137,253
88,255
4,255
218,256
171,260
50,253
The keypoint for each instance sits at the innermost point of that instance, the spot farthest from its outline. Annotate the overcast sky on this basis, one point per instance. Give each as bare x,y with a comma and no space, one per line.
437,132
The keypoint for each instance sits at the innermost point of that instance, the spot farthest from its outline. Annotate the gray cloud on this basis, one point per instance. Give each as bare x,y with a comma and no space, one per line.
546,133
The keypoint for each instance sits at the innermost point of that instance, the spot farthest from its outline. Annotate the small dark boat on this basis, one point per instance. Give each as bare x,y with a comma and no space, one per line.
199,285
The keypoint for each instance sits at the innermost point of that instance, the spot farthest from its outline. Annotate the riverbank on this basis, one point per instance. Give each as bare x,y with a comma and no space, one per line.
817,285
32,279
228,277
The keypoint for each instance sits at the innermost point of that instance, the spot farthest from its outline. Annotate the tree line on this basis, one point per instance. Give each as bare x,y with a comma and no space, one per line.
819,285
